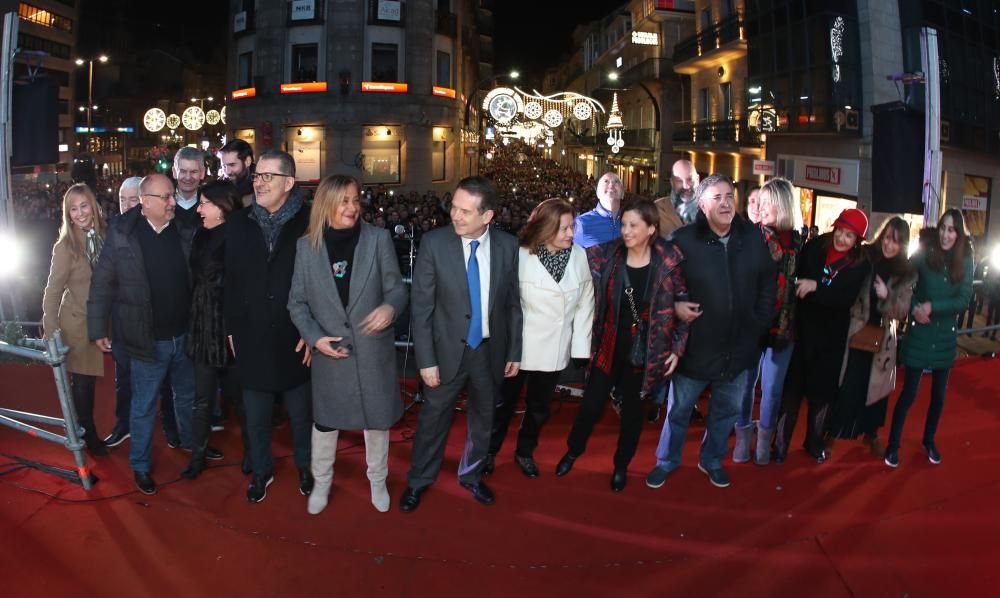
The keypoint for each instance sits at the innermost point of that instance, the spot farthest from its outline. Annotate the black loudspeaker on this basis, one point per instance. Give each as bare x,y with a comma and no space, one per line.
897,159
35,123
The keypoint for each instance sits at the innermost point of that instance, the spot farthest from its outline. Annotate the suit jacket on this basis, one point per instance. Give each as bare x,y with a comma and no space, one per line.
557,315
670,220
440,307
360,392
255,303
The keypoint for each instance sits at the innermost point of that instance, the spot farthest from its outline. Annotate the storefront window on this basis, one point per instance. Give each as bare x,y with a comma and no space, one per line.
437,161
380,163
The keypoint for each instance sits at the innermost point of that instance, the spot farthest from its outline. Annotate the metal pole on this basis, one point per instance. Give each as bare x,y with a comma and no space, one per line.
57,352
90,104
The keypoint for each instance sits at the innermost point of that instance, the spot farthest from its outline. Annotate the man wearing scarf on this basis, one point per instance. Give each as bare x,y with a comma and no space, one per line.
272,358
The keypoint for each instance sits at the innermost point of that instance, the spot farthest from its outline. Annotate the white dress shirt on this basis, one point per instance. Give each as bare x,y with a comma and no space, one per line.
483,258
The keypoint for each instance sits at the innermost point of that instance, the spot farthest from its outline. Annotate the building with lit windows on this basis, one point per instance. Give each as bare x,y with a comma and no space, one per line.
374,88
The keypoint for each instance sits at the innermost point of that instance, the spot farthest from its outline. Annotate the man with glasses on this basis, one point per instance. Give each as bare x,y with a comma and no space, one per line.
143,272
189,172
732,284
272,358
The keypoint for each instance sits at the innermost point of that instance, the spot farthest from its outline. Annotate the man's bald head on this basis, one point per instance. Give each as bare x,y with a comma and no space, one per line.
683,179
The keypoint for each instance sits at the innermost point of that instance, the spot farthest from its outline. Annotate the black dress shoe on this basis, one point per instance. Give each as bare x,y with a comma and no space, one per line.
490,464
480,491
410,499
565,464
194,469
257,491
144,482
245,466
306,482
618,480
118,435
528,466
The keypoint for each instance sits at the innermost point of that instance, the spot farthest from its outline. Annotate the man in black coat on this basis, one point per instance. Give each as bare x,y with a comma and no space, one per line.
143,272
732,284
271,357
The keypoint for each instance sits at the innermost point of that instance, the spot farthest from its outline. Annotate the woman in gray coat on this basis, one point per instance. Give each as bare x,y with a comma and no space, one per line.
346,292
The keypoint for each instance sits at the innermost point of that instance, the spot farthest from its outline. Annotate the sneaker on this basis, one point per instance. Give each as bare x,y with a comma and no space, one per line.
213,454
144,482
932,453
173,442
718,476
892,458
219,427
257,491
657,477
118,435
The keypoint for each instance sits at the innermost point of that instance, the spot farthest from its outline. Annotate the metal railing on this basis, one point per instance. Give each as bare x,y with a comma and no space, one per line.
706,132
51,351
725,31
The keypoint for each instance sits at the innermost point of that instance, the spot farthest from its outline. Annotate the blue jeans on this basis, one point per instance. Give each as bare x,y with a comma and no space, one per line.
771,373
171,362
723,410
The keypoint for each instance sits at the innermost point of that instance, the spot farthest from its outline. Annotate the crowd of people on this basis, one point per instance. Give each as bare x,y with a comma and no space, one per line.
241,292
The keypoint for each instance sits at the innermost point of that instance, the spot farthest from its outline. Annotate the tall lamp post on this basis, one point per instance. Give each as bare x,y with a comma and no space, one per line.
103,58
513,74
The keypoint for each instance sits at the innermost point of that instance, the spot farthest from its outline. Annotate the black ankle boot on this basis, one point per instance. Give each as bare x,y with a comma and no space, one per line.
194,468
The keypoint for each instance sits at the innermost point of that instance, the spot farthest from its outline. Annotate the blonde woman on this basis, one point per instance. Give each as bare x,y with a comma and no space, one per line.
346,293
64,303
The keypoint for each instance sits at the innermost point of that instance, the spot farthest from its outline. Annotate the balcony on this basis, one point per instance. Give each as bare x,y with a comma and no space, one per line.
639,138
714,134
386,12
484,22
446,23
304,14
712,47
647,70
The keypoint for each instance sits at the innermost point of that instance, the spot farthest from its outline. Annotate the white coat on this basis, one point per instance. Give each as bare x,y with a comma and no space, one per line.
558,317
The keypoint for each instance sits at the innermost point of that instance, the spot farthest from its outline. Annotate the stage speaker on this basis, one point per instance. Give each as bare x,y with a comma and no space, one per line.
897,159
35,123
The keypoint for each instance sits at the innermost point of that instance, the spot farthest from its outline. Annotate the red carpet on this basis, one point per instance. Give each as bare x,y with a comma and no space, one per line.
849,527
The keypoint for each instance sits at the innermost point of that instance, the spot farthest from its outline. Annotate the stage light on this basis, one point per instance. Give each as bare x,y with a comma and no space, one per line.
994,256
11,250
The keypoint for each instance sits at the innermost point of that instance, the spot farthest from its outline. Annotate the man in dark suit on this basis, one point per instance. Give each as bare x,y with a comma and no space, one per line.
466,332
260,259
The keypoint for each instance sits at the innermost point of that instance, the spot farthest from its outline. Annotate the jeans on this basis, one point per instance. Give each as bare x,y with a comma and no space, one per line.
259,408
123,393
911,384
723,410
541,385
771,372
171,362
627,381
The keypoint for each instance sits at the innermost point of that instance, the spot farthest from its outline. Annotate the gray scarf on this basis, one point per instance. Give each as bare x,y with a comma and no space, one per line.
271,224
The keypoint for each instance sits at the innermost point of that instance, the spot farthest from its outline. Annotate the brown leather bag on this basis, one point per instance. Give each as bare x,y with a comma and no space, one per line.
868,339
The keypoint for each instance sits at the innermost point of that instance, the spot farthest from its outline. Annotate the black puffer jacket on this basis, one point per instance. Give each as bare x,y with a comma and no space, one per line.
735,285
120,280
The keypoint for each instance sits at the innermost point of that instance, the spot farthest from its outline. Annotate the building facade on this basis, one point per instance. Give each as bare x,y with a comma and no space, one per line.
374,89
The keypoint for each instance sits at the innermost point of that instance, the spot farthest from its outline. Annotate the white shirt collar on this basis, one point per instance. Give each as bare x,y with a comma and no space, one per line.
482,239
184,202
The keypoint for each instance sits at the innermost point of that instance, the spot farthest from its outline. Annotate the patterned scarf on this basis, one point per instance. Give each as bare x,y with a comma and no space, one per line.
94,245
556,262
783,247
271,224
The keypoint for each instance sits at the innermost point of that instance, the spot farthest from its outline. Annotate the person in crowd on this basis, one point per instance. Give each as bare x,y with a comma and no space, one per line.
237,166
557,299
189,171
731,288
868,374
64,302
271,357
207,345
603,223
944,267
143,269
830,272
636,340
346,293
778,215
753,205
465,333
128,198
684,180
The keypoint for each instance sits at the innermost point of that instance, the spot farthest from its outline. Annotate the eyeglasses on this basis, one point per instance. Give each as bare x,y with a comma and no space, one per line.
266,176
164,197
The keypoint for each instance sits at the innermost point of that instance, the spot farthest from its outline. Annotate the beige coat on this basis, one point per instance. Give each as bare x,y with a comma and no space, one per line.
669,219
894,308
64,306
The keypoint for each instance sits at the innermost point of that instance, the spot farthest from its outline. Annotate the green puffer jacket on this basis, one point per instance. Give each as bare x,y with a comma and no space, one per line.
932,346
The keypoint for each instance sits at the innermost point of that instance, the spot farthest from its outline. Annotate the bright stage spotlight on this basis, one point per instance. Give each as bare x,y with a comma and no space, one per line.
10,255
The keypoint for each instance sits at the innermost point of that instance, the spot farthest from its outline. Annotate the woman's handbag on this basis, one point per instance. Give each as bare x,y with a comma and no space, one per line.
637,351
868,339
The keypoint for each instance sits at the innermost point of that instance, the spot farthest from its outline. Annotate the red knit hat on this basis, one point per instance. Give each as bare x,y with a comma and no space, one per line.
854,220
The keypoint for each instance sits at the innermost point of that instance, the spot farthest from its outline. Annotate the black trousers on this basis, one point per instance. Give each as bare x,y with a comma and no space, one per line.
541,385
438,411
628,382
208,381
259,407
791,402
911,384
82,387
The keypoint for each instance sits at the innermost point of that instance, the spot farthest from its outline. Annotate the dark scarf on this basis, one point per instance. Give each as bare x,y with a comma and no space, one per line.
271,224
784,248
555,263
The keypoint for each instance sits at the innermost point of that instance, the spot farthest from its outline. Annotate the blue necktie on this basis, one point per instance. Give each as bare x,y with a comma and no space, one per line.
475,336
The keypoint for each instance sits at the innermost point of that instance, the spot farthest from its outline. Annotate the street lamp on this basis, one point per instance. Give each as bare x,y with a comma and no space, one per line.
103,58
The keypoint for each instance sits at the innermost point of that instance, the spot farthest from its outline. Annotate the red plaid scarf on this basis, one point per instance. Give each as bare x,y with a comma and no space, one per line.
605,355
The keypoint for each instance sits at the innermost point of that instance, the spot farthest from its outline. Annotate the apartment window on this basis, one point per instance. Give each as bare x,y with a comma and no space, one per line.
305,62
437,161
43,17
706,19
726,93
38,44
444,69
244,73
385,63
703,103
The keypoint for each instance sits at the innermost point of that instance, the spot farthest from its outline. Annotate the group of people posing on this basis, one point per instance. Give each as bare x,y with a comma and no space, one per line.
197,295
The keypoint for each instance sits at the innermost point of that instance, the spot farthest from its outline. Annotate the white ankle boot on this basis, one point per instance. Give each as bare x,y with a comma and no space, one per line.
324,453
377,456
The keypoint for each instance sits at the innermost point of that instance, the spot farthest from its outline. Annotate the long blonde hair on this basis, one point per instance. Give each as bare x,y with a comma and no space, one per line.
329,195
73,236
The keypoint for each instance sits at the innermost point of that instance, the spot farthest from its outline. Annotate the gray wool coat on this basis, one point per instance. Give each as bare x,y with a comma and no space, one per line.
360,392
